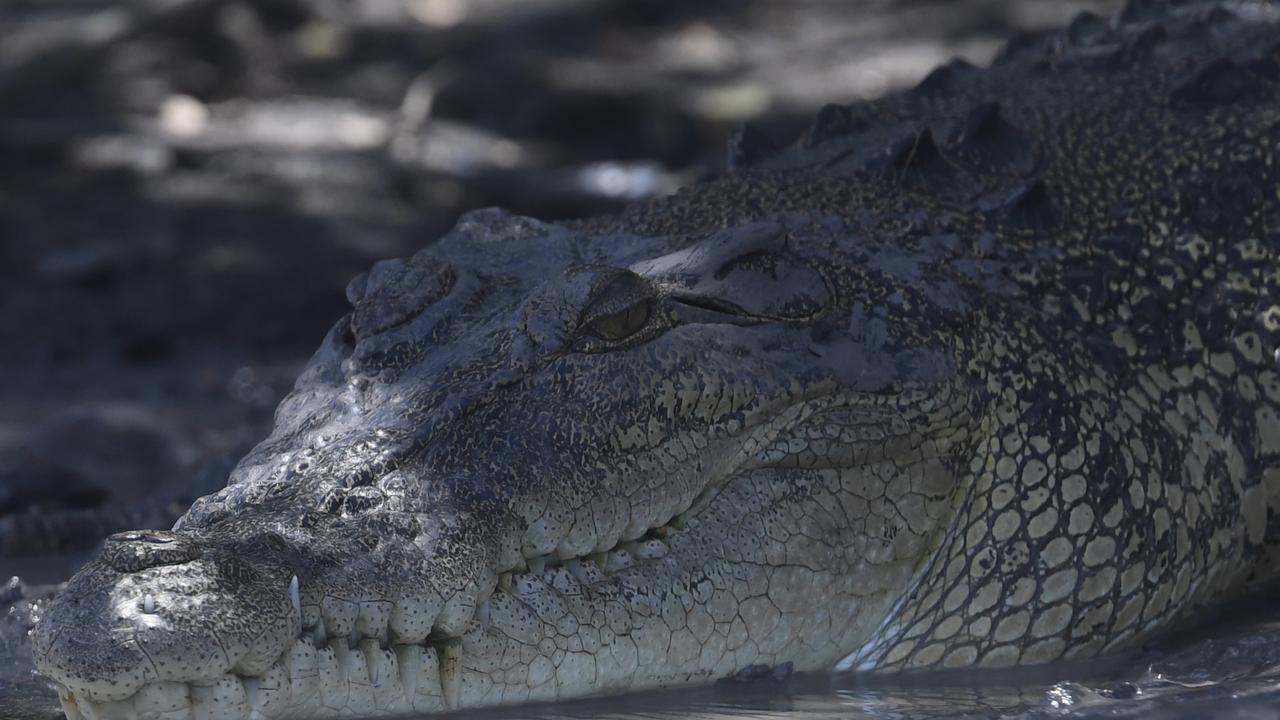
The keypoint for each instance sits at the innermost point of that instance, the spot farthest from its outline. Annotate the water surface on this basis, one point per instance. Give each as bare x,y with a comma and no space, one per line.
1225,666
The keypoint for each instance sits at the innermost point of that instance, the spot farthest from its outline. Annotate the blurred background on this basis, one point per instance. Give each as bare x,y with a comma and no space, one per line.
186,187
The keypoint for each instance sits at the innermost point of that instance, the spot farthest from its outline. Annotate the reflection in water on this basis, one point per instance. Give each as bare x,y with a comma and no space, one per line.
1219,670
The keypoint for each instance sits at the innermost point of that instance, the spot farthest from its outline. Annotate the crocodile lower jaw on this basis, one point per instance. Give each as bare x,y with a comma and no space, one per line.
332,681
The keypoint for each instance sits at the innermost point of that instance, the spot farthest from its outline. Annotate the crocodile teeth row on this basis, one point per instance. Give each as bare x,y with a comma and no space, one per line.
332,681
411,618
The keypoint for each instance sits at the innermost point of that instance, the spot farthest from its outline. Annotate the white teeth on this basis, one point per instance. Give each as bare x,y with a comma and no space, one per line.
409,657
68,702
412,617
162,697
420,676
319,636
355,666
351,669
384,676
269,694
451,672
339,615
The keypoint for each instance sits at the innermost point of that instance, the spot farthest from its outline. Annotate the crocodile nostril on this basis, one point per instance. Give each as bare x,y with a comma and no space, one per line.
136,550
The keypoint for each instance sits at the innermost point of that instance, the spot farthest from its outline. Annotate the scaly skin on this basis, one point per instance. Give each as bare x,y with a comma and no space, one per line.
981,374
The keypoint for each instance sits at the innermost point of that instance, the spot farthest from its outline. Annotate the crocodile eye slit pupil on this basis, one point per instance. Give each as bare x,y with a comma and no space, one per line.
624,323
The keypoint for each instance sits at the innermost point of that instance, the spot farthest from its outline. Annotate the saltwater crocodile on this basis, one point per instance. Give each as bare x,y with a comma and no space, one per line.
980,374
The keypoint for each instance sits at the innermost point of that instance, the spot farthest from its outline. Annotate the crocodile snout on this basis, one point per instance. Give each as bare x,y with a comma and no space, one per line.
155,608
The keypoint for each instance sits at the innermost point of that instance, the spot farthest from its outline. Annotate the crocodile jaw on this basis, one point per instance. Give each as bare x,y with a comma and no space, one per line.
656,614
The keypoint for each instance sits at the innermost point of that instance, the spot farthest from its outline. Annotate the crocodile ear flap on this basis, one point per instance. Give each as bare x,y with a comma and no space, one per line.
746,271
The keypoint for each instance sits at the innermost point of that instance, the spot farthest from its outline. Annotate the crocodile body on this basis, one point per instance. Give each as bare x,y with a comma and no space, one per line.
985,373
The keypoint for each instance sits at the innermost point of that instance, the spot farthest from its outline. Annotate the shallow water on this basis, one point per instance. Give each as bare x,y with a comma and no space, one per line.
1225,666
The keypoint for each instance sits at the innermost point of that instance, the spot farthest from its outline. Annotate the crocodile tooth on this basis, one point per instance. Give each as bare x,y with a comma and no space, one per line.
294,596
505,582
319,635
410,659
384,677
420,673
538,565
679,522
450,652
600,559
355,666
68,702
149,604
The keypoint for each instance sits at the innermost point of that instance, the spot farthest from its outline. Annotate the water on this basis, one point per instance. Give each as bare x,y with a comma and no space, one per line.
1224,667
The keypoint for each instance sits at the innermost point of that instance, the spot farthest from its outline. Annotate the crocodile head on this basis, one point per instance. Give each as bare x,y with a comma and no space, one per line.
537,462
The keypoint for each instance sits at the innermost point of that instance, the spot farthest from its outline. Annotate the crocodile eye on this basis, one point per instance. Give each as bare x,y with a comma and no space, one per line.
624,323
621,310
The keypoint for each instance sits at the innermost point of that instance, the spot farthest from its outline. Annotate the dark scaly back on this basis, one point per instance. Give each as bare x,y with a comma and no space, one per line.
1109,193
